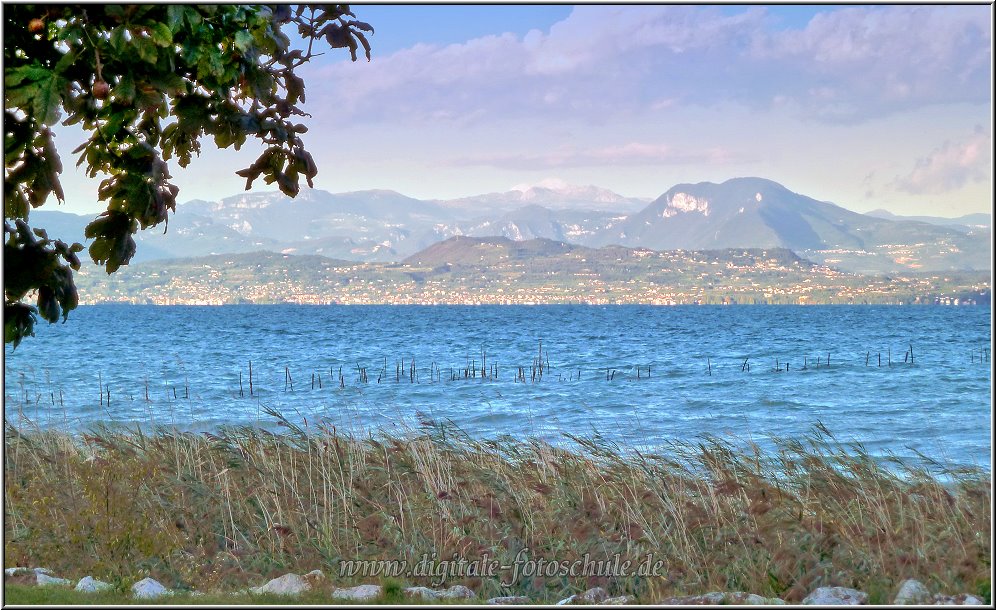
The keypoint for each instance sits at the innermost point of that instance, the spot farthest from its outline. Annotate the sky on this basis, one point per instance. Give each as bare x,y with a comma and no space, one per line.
865,106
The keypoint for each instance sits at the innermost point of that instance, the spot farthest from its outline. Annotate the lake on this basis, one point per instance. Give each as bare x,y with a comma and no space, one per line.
637,375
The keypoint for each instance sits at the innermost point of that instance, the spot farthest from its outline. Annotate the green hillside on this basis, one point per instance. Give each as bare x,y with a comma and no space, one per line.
499,270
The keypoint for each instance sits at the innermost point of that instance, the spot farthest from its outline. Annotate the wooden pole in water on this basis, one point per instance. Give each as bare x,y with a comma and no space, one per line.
541,356
708,364
250,378
911,353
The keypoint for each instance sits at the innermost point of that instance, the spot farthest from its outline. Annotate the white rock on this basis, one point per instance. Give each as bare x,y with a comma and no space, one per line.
148,588
288,584
622,600
912,592
457,592
17,571
836,596
422,592
361,593
595,595
965,599
44,580
513,600
89,584
314,578
714,598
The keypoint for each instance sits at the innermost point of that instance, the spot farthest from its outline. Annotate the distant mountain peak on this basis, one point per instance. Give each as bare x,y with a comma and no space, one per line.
556,187
553,184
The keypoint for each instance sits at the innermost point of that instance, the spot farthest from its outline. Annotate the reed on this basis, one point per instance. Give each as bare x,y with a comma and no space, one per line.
217,511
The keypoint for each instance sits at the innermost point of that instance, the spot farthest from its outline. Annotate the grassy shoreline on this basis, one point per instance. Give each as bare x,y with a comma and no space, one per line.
223,511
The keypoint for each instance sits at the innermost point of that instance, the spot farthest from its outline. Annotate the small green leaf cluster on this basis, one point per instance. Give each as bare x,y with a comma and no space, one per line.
146,83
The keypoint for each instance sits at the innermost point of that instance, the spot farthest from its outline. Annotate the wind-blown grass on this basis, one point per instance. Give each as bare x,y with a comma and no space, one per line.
222,511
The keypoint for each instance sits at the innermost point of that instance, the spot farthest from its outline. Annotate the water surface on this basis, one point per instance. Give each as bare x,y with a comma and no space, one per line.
190,359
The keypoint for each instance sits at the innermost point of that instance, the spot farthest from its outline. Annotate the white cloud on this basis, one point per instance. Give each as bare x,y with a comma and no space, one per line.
951,166
607,61
872,61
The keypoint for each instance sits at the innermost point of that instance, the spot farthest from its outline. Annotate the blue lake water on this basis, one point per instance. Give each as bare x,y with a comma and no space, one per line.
939,405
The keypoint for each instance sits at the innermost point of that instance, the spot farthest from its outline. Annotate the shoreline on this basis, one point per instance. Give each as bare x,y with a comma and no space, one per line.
235,508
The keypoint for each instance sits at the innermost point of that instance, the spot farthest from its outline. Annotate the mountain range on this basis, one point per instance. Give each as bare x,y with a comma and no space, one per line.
385,226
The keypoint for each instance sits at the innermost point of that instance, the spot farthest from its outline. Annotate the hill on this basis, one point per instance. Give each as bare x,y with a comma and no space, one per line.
755,212
499,270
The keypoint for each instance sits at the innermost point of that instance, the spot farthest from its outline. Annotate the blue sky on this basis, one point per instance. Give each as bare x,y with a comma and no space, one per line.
866,106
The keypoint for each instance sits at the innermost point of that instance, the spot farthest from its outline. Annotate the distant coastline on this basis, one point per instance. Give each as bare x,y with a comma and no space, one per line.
499,271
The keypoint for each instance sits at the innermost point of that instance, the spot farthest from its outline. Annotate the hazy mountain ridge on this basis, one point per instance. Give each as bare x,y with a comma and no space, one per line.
383,225
499,270
965,223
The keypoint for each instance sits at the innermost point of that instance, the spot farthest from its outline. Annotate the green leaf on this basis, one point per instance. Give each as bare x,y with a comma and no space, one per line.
146,48
162,35
193,18
67,60
118,42
14,77
19,321
243,40
21,97
48,99
124,91
174,13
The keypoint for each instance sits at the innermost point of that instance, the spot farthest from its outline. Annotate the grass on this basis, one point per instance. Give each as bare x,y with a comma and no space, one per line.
223,511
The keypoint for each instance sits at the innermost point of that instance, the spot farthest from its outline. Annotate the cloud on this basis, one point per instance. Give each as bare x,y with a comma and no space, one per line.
630,154
603,62
859,62
950,166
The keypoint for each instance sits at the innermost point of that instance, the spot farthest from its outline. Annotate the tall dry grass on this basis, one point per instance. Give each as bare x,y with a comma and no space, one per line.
219,511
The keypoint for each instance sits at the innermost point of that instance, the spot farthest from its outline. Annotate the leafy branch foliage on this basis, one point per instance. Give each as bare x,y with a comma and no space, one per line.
147,83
